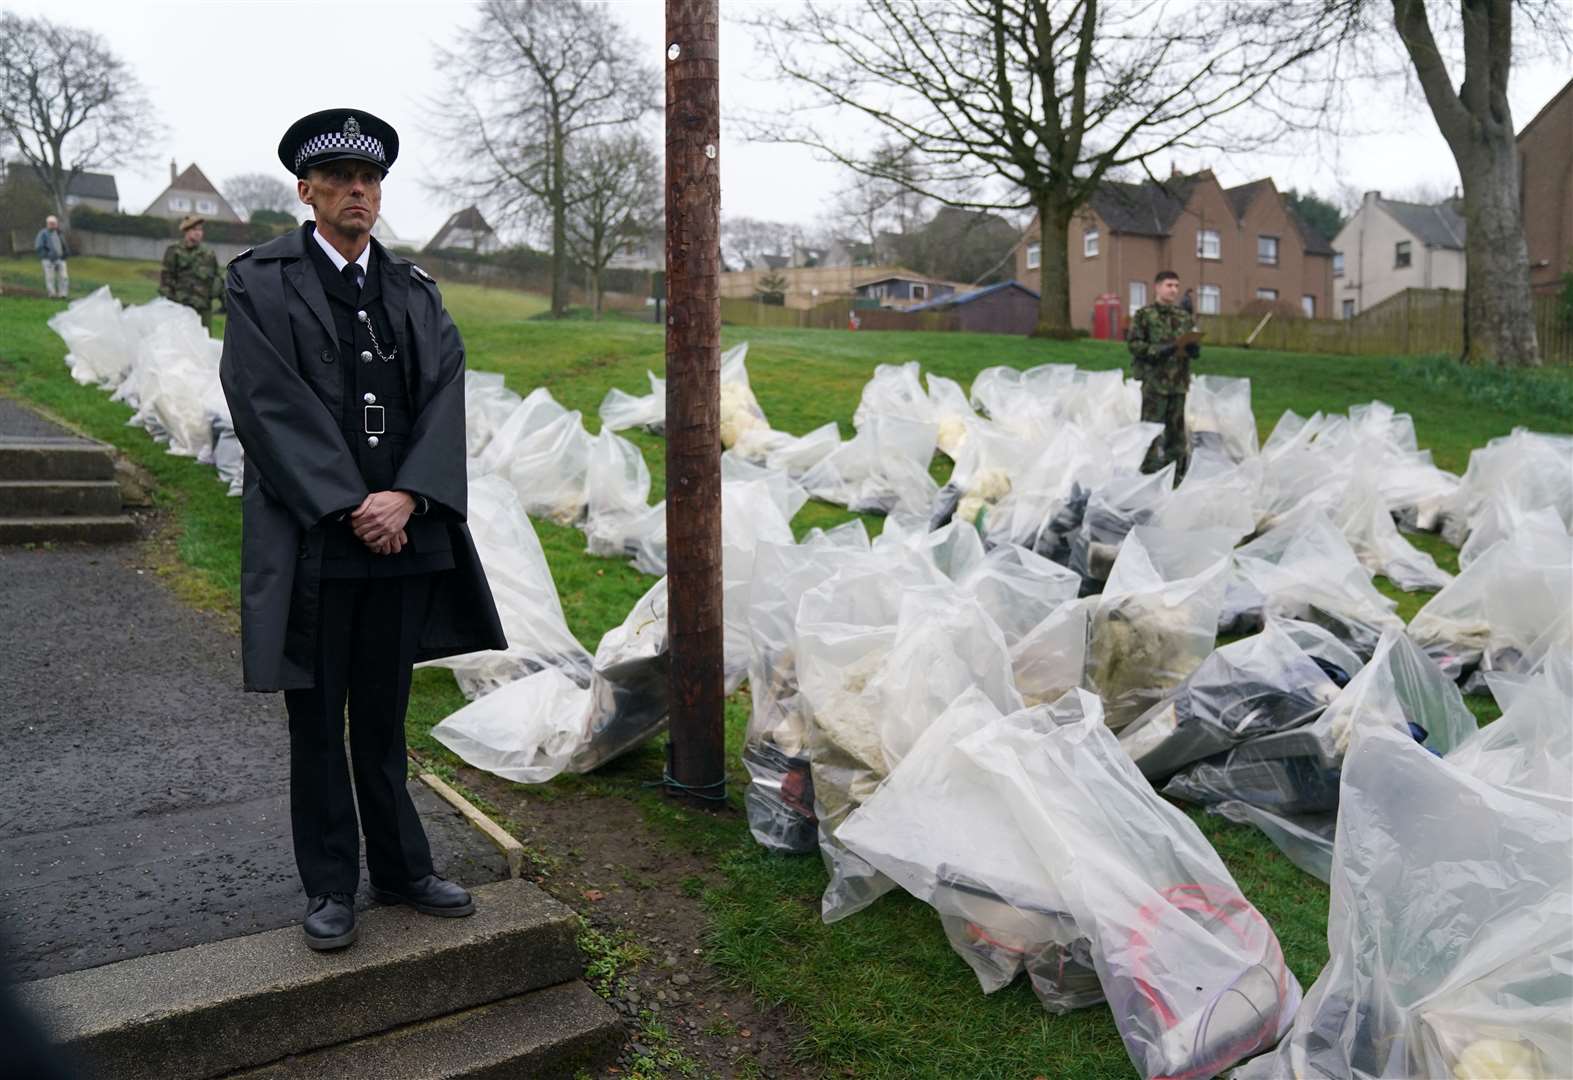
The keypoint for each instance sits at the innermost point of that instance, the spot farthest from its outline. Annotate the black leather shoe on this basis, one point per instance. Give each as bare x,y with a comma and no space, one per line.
431,895
330,921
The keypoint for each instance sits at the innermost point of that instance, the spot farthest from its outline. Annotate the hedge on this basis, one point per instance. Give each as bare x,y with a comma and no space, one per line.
224,232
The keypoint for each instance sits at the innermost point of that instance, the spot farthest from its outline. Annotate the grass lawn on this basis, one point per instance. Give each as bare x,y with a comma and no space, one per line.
880,994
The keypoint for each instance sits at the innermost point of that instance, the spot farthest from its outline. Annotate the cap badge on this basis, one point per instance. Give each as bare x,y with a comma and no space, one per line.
351,127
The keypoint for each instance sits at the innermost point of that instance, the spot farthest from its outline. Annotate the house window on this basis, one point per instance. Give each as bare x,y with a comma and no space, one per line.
1308,306
1267,294
1209,299
1401,256
1089,243
1267,250
1338,264
1138,295
207,206
179,202
1034,256
877,292
1207,244
1349,309
920,292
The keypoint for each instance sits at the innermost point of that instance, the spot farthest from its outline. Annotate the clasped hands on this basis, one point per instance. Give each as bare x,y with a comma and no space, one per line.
379,521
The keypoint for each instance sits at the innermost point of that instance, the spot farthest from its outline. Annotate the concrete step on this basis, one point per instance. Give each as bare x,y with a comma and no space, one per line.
55,459
245,1002
68,530
551,1034
59,498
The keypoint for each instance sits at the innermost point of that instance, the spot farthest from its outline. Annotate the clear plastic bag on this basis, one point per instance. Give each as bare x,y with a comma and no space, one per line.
550,469
487,405
801,453
525,731
1450,949
630,690
1157,618
1215,494
1363,516
894,390
1508,477
1115,507
1218,409
1192,972
621,410
224,451
537,410
740,411
951,412
617,483
173,371
99,346
883,469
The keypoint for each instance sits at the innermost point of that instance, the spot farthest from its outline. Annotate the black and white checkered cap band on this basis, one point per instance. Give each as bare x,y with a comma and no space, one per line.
336,142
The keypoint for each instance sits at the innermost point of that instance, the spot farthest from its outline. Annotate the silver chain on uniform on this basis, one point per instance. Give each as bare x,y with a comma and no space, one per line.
375,344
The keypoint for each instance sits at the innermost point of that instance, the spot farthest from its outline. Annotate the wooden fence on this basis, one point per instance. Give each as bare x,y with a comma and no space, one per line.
1415,322
833,315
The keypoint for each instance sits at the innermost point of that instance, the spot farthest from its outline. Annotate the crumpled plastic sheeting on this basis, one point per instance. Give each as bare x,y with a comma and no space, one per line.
882,469
1193,974
1509,477
1363,516
1218,413
530,415
223,451
617,483
525,594
1508,609
1256,686
860,635
487,405
1436,971
174,369
1531,745
99,343
1305,569
1157,618
621,410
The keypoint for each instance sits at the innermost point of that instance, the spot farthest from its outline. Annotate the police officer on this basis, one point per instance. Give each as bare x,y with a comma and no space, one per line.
1162,340
345,376
189,275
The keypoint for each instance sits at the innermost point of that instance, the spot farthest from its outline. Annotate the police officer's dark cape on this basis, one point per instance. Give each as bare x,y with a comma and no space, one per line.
300,472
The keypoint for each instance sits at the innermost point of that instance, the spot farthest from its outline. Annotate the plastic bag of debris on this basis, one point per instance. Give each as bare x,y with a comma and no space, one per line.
1216,493
630,690
525,594
1531,745
1305,569
939,827
98,347
800,453
529,416
487,405
1508,609
550,469
894,390
176,369
1253,687
1510,476
986,459
1019,590
617,484
525,731
1363,516
1157,618
621,410
1296,771
223,451
1192,972
882,469
1115,507
740,411
860,635
951,412
1218,414
1437,970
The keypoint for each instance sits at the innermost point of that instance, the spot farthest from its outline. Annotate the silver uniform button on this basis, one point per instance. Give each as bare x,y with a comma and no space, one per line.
371,441
369,398
361,315
365,357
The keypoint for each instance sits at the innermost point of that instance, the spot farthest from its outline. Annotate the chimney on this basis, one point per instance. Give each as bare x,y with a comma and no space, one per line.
173,172
1371,196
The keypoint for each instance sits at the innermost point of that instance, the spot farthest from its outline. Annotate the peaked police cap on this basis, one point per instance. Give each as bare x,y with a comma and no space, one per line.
337,135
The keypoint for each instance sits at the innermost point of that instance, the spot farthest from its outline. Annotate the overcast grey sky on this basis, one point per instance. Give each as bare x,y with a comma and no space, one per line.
227,78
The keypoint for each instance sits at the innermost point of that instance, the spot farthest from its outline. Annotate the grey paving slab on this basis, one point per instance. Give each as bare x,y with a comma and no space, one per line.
143,804
19,422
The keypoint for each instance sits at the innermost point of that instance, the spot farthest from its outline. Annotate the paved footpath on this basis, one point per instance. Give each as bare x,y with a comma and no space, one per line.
144,796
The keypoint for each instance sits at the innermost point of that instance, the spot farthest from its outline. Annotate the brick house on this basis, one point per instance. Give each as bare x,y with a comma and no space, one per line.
191,192
1545,176
1230,246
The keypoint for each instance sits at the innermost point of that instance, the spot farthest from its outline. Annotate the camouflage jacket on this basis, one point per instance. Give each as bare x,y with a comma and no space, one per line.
189,276
1151,328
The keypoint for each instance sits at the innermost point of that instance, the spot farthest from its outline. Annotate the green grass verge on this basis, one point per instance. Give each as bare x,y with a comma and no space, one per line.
880,994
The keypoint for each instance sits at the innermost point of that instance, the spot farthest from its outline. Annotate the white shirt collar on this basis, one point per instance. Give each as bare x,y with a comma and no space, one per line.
339,261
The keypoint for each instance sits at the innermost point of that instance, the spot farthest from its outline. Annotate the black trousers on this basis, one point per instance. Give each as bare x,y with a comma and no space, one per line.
367,636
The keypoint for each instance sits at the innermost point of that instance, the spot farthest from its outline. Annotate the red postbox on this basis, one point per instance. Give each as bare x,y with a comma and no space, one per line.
1106,317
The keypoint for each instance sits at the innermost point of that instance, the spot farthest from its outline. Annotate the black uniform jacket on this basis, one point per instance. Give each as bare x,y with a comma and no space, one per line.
300,472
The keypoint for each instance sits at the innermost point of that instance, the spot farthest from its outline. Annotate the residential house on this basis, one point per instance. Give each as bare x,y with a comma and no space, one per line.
646,251
466,230
1545,176
190,192
1389,246
389,237
903,289
1230,246
1006,308
96,191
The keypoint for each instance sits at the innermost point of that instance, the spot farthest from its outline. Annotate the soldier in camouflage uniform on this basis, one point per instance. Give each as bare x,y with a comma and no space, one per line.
190,272
1163,367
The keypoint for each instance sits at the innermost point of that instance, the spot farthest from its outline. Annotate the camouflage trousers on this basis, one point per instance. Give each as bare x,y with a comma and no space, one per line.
1173,443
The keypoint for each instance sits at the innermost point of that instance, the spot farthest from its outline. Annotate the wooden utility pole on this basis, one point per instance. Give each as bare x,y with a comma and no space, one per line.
696,765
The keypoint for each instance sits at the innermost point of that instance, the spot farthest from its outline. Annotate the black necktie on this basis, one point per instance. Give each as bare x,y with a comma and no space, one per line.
354,275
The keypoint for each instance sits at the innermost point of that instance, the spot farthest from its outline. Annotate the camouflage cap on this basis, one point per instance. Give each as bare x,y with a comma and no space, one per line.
191,221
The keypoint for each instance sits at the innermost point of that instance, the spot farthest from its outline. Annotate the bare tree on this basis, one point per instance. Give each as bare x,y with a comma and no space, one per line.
68,103
1027,104
873,207
259,191
746,240
614,196
521,86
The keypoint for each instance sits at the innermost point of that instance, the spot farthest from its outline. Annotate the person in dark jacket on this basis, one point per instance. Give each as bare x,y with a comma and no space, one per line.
345,377
50,247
